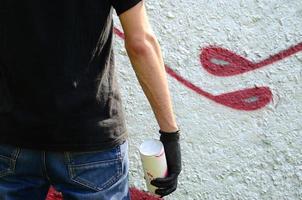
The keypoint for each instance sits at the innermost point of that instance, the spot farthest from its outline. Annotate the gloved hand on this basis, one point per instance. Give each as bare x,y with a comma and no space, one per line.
171,144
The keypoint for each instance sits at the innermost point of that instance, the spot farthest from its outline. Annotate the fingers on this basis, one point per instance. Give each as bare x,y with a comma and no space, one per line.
164,182
165,185
166,191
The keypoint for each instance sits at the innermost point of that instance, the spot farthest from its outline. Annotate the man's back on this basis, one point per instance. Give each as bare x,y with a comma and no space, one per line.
57,69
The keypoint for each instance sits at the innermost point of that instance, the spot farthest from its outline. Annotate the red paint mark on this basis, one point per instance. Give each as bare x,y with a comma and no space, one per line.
54,195
119,33
150,176
141,195
246,99
222,62
134,193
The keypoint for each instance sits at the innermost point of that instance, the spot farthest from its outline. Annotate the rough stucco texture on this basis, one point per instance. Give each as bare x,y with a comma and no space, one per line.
227,153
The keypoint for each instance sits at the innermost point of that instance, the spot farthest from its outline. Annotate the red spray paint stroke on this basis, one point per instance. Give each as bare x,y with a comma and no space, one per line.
247,99
141,195
134,193
222,62
119,33
54,195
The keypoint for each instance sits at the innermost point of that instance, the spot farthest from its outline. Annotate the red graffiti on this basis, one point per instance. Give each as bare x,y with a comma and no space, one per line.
222,62
119,33
54,195
142,195
134,193
246,99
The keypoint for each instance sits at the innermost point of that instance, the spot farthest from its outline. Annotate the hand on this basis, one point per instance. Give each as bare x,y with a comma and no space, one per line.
171,144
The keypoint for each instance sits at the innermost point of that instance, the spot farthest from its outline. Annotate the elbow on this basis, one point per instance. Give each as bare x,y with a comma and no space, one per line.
141,45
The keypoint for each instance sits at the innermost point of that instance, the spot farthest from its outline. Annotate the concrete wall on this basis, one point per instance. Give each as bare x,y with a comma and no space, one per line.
241,145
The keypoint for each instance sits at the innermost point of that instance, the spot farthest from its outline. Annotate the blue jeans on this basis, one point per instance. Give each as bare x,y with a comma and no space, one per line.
27,174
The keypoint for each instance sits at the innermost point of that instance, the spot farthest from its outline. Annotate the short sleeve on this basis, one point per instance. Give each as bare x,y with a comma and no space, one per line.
123,5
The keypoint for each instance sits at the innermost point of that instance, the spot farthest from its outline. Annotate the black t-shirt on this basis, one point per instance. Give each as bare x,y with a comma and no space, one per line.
58,88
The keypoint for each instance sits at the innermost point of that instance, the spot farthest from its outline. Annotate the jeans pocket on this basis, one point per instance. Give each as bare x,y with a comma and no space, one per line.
96,170
8,158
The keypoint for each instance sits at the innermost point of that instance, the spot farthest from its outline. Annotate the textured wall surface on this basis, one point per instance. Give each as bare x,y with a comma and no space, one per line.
228,153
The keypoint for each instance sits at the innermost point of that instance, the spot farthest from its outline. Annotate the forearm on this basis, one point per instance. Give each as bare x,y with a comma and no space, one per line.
147,62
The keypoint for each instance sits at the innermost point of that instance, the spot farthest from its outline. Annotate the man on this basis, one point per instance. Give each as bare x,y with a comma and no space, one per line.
61,117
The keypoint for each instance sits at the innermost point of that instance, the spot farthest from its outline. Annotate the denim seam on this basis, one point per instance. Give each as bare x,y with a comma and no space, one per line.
5,172
15,157
96,162
119,153
120,167
70,171
44,165
5,157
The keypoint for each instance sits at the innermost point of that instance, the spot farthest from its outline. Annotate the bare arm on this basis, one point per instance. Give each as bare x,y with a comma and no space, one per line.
146,58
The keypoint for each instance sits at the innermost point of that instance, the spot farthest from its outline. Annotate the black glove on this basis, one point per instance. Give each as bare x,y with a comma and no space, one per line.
168,184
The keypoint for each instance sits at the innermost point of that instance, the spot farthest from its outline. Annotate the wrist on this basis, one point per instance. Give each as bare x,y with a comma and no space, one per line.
169,129
169,132
169,136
